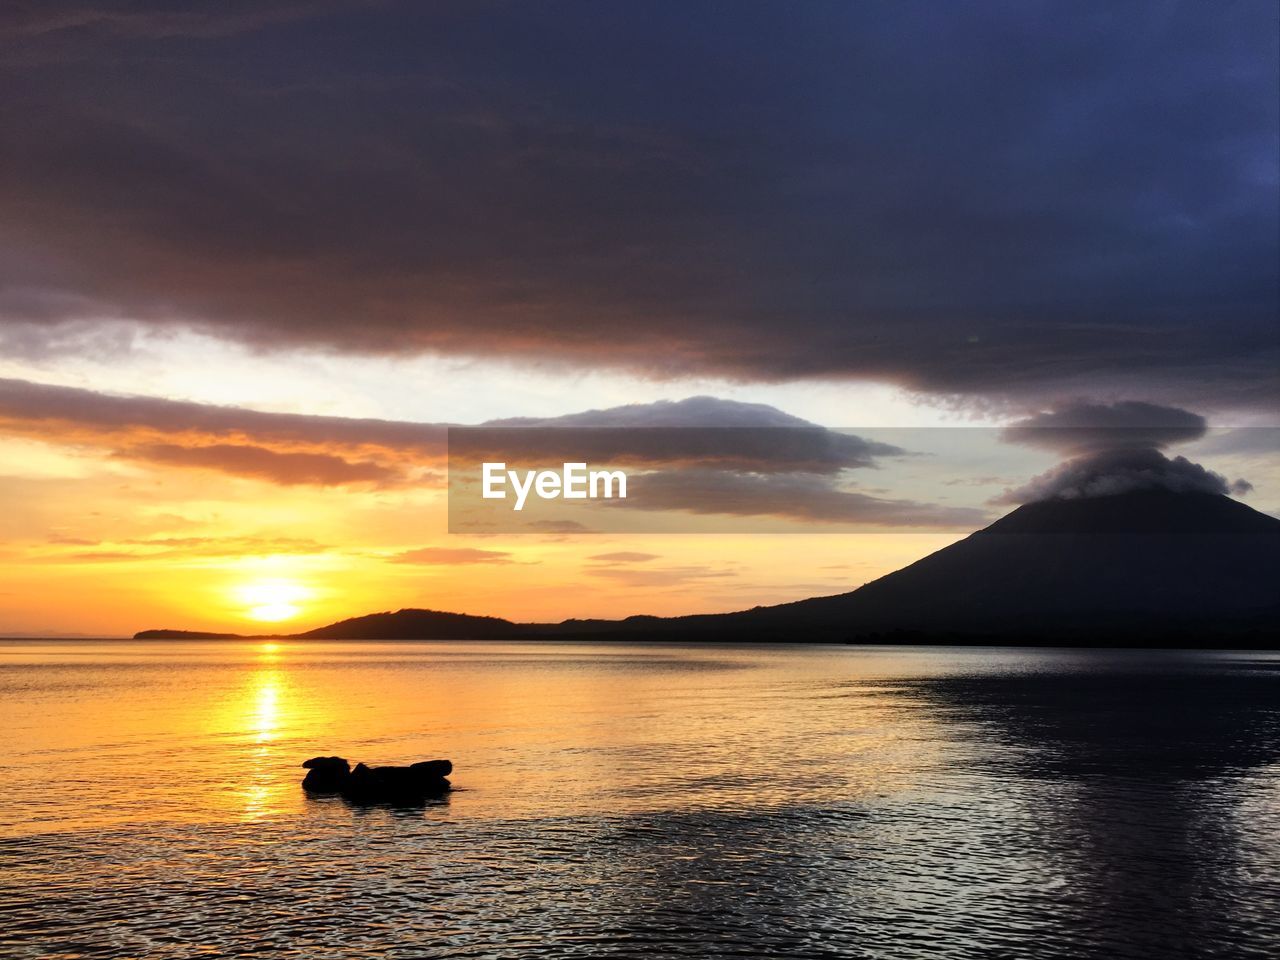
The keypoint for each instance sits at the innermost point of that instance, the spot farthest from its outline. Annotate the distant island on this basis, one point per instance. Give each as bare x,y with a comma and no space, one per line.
1145,568
403,624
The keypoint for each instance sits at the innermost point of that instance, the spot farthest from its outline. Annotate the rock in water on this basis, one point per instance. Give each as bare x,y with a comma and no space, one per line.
413,784
427,769
325,774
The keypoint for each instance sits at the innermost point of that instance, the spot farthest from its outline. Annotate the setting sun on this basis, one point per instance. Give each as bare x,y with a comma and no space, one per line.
272,600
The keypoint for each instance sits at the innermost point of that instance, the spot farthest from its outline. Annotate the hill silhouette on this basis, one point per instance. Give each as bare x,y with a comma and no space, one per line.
418,624
408,624
1143,568
1127,568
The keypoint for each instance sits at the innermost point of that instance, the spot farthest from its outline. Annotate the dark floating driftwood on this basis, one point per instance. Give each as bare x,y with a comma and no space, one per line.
413,784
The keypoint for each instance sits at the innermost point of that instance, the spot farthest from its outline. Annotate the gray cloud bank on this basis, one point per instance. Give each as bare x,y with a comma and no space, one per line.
981,200
300,448
702,431
700,455
1084,427
1115,448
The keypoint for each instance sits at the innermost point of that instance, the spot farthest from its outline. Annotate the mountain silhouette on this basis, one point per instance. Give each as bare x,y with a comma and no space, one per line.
418,624
1143,568
1132,566
409,624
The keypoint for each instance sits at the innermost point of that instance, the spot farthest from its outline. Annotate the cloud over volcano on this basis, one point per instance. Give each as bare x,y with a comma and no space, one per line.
1114,448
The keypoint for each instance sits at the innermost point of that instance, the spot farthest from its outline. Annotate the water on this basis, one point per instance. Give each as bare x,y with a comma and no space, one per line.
640,801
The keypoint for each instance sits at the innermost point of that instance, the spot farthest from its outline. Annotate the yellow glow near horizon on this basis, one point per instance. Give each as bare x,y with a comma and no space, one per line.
272,600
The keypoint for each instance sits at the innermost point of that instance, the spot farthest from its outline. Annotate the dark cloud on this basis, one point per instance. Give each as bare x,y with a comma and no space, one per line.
661,576
73,24
707,456
279,448
154,548
785,468
451,556
702,431
972,199
300,448
1083,427
558,527
70,414
624,556
286,469
711,458
221,545
986,480
103,556
1123,471
692,412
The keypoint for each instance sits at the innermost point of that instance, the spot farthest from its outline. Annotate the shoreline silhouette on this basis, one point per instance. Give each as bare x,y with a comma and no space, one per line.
1144,568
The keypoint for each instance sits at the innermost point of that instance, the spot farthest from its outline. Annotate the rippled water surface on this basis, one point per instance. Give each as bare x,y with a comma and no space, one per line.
640,801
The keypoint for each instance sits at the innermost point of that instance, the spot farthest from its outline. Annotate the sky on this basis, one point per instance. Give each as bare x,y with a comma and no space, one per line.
256,258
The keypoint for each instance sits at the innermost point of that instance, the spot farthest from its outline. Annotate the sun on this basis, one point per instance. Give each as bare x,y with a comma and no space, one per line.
271,601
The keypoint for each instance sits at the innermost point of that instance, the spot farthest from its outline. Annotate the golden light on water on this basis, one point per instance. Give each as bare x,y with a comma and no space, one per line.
261,794
266,715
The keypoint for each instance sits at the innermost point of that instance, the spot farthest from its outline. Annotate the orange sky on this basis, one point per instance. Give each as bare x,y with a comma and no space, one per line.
163,506
107,547
108,543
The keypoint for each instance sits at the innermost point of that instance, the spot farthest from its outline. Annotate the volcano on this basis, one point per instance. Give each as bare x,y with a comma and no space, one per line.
1132,568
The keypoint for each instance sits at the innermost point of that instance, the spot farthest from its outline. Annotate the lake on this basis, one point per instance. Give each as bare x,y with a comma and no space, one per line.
640,800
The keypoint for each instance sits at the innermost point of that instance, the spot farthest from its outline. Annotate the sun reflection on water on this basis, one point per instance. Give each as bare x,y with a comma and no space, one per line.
263,715
266,712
